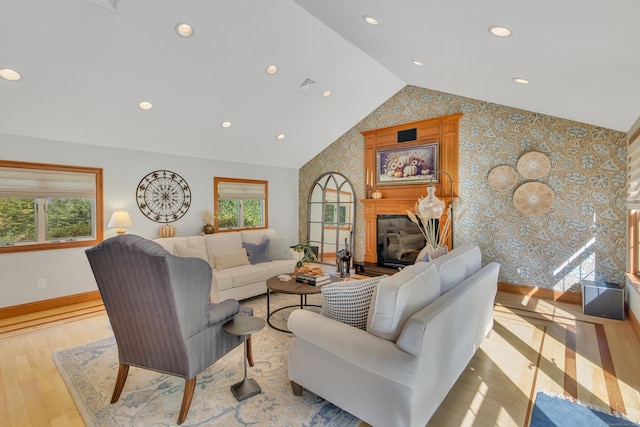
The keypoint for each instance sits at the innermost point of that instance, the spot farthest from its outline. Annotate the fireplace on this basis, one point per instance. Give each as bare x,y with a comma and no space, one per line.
398,241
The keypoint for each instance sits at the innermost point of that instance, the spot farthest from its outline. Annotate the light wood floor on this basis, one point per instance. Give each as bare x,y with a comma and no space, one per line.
535,345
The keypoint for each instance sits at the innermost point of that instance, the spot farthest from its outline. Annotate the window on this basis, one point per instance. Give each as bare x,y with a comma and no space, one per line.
49,206
331,216
633,203
240,203
334,204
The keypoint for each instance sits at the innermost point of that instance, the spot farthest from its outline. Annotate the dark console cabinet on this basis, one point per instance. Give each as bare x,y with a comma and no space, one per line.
603,299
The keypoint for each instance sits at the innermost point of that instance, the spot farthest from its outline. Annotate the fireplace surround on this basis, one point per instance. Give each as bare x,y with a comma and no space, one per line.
398,241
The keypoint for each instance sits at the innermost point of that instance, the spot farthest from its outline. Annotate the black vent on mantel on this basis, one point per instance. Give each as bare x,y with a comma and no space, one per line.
407,135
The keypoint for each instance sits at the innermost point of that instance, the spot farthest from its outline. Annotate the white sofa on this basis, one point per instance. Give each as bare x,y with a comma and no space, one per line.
424,325
235,277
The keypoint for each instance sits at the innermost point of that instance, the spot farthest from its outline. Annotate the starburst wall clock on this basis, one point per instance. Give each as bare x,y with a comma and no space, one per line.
163,196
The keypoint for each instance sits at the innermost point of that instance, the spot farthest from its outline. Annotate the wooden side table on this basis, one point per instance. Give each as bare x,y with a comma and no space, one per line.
244,325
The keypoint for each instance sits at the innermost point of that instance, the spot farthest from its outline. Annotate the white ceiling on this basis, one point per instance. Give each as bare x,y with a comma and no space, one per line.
85,68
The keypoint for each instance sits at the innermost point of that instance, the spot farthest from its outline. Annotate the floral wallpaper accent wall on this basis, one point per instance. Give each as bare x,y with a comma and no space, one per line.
582,236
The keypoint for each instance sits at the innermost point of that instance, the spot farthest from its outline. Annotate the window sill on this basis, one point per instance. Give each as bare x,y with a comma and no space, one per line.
634,280
47,246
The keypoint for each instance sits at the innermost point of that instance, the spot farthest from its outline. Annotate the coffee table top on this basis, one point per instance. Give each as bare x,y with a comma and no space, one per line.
292,287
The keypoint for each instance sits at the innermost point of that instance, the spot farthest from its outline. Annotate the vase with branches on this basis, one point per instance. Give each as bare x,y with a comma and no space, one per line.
208,217
427,216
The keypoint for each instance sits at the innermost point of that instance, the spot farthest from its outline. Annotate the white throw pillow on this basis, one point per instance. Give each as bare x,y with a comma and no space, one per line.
230,259
184,251
348,302
399,297
279,247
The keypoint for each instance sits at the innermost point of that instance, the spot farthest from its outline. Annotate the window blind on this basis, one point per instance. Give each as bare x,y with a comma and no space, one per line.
241,191
27,183
633,174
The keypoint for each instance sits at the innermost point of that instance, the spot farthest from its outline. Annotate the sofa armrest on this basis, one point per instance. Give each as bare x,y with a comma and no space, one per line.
355,346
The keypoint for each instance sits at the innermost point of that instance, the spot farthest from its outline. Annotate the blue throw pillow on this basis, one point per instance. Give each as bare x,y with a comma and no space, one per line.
257,253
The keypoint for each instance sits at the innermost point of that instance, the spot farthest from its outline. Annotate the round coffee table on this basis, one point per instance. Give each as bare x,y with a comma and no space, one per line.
292,287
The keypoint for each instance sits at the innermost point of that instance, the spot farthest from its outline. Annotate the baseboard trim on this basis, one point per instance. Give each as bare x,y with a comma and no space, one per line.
33,307
635,325
548,294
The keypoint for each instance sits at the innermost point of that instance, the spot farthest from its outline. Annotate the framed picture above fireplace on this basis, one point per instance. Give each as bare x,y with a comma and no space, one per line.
407,165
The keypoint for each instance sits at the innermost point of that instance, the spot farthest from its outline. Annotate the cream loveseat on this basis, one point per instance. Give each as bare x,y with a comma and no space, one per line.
423,326
241,261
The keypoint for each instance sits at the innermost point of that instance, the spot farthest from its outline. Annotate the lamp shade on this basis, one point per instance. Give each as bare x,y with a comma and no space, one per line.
431,207
120,219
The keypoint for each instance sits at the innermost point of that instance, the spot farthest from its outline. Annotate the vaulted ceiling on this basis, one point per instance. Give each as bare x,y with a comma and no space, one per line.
85,66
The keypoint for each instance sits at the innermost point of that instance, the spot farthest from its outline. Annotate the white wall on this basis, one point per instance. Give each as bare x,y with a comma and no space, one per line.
67,271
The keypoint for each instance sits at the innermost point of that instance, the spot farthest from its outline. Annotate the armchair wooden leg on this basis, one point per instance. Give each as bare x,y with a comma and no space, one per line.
189,388
296,388
123,371
249,351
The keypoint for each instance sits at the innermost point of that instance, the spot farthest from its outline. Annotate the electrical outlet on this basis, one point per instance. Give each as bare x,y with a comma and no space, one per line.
41,284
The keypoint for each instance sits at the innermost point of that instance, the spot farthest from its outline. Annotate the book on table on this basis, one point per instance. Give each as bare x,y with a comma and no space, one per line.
313,277
313,280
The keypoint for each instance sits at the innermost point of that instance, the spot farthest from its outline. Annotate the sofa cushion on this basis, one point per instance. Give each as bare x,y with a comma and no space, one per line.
451,272
348,302
280,266
223,280
279,247
256,236
186,251
232,258
257,252
458,265
398,297
247,274
221,242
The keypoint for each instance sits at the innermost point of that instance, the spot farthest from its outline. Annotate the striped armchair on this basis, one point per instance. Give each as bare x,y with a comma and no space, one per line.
158,307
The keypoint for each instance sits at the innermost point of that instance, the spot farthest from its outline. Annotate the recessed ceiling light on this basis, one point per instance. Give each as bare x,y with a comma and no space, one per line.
184,30
418,63
326,93
521,81
499,31
9,74
145,105
369,20
225,124
272,69
280,137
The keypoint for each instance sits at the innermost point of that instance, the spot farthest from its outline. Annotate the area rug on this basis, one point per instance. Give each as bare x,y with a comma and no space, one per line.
153,399
550,411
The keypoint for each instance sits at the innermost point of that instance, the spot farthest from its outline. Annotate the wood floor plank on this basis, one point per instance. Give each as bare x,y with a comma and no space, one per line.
616,403
570,374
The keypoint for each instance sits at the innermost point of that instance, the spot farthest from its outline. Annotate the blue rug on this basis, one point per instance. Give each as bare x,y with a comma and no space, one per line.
551,411
154,399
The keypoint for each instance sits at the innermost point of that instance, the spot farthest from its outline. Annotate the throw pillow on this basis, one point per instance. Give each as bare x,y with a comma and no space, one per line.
399,297
230,259
279,247
184,251
257,253
348,302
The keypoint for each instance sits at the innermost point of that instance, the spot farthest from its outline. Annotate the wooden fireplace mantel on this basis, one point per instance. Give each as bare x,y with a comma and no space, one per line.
397,199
